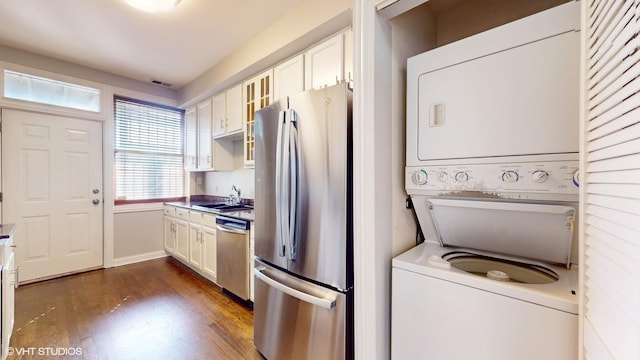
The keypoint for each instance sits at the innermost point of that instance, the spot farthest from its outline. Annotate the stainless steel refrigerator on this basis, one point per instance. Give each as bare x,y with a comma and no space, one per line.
303,292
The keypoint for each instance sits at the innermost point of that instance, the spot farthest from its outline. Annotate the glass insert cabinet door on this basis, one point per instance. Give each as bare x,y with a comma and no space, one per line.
257,94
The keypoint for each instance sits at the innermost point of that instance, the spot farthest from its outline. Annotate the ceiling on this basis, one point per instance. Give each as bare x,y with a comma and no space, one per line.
108,35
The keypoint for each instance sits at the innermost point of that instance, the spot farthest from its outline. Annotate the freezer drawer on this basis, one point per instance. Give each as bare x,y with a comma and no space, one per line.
295,319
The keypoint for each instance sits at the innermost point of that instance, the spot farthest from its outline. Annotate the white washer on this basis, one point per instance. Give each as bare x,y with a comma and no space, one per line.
441,313
497,278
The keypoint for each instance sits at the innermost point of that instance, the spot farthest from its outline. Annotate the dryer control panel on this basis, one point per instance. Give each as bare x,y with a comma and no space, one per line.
526,180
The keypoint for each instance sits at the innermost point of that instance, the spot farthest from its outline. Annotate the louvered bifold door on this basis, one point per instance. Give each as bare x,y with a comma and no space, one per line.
611,181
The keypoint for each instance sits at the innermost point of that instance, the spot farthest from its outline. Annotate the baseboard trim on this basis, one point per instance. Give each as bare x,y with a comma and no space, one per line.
139,258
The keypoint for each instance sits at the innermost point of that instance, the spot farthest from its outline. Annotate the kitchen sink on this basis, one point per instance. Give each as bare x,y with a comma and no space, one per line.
222,207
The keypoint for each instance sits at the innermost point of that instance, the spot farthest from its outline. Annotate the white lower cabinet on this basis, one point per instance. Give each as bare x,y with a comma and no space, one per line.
193,235
209,265
182,240
169,239
251,261
209,252
195,239
9,277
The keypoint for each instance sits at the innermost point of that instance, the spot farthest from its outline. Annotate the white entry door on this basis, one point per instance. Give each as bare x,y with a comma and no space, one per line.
52,185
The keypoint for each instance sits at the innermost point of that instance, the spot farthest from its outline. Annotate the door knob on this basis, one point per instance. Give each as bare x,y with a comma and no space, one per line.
96,191
96,201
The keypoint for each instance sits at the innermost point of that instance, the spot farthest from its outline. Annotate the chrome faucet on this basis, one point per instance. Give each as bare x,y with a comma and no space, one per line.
234,199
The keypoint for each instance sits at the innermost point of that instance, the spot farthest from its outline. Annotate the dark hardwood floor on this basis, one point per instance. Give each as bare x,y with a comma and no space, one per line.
157,309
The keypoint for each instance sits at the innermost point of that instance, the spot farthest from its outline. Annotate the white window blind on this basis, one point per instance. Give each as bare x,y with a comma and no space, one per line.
148,151
611,183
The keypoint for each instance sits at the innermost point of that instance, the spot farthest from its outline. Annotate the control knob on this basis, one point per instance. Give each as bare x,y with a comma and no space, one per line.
419,177
461,176
540,176
443,176
510,176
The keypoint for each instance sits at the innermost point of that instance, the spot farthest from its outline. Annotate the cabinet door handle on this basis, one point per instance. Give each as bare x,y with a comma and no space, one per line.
208,159
17,277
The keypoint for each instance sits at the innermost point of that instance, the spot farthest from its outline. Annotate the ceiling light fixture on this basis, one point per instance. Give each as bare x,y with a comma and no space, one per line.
153,6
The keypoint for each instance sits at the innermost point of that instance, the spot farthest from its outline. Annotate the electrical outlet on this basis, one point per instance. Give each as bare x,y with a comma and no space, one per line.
198,179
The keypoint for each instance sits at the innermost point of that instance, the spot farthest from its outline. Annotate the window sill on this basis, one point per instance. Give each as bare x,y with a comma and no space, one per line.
129,208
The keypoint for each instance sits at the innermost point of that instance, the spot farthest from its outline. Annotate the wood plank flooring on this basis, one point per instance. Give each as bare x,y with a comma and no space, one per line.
157,309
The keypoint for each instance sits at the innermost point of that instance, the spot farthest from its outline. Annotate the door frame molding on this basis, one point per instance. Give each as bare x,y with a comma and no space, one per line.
373,232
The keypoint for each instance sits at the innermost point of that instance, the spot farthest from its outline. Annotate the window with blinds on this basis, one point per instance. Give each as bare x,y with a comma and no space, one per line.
611,181
148,151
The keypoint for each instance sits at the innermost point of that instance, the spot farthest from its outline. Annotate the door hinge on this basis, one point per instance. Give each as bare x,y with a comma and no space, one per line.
0,197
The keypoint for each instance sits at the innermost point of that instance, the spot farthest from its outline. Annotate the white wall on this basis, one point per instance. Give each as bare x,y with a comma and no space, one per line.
138,236
412,33
27,59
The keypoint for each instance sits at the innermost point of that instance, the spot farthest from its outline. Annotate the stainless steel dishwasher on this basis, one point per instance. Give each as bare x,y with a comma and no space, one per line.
233,255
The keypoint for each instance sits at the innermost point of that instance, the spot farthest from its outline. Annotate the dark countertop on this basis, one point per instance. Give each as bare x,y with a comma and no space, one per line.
7,230
242,214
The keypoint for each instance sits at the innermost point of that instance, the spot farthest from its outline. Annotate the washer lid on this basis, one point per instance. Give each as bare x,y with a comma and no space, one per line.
535,231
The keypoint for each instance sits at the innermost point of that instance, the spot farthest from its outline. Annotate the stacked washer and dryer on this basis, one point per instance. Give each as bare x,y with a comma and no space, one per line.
492,170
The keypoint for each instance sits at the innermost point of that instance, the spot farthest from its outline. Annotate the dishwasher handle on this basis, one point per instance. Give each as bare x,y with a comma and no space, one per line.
325,303
230,229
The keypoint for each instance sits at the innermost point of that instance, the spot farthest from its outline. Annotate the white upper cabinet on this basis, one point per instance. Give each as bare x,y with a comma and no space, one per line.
288,77
201,153
204,134
324,63
348,57
191,141
227,113
219,115
258,93
234,109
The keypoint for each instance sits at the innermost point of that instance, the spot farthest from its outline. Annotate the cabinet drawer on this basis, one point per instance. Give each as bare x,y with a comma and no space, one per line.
182,214
195,217
170,211
209,220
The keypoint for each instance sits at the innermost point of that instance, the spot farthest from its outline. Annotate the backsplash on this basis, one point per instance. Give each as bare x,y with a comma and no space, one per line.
219,183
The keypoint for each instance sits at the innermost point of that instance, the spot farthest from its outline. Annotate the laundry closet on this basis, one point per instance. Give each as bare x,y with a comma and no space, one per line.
414,30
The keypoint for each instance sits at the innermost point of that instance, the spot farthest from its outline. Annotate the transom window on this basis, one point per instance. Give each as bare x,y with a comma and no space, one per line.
26,87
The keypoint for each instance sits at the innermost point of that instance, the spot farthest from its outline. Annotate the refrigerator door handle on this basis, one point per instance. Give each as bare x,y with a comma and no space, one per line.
294,174
285,201
280,229
325,303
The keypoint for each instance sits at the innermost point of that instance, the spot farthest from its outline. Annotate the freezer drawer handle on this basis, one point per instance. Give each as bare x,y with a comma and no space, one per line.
321,302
